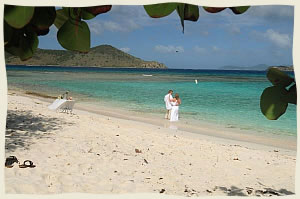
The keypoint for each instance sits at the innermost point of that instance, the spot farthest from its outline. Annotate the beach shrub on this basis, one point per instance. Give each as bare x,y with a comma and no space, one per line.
24,24
275,99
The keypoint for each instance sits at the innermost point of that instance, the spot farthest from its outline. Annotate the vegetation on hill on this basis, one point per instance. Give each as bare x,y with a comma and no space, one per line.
99,56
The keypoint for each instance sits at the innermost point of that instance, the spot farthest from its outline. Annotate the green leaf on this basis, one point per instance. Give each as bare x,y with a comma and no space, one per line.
24,44
240,9
187,12
40,32
75,13
291,96
8,32
61,18
279,78
191,12
96,10
18,16
72,13
86,15
213,9
160,10
180,12
43,17
66,10
74,35
272,102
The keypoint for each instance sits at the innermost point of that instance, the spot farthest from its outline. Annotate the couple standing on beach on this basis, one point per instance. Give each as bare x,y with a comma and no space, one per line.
172,106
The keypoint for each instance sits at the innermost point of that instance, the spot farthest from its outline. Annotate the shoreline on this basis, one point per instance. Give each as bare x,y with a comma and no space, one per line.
199,130
93,153
107,67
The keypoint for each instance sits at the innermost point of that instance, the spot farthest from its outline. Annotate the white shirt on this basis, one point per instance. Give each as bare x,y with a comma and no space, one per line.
167,99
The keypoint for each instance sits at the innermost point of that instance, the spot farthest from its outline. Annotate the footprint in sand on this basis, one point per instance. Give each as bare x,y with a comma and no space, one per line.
51,181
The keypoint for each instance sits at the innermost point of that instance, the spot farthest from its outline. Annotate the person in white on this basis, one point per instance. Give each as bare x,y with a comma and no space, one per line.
168,99
175,108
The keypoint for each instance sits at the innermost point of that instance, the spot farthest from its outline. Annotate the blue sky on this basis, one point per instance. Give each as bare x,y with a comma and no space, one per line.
262,35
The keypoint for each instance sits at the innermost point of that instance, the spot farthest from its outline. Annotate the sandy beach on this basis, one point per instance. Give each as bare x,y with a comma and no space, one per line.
93,153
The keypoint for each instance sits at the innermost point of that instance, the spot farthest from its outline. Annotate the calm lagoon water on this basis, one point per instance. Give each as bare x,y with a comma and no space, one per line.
224,98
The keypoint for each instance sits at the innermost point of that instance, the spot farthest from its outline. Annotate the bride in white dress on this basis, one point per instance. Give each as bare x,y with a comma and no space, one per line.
175,108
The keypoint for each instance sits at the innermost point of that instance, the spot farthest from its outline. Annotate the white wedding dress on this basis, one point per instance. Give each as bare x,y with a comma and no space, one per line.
174,112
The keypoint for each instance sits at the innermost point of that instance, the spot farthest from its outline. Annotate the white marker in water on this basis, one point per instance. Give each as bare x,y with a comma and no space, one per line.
196,81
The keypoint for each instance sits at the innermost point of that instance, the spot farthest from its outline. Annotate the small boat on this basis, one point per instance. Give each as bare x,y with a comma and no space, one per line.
196,81
147,75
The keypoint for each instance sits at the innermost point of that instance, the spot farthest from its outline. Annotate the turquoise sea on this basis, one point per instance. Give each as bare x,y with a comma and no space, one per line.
227,99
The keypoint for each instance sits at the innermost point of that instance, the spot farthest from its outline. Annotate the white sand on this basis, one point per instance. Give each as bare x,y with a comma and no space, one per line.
92,153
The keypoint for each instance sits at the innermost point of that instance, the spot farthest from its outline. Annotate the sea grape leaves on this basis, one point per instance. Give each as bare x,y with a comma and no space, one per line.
18,16
191,12
213,9
74,35
61,18
272,103
278,78
291,96
160,10
187,12
86,15
24,44
180,12
43,17
96,10
239,9
8,32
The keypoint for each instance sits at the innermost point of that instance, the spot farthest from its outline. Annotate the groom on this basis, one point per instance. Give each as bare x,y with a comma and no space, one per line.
168,98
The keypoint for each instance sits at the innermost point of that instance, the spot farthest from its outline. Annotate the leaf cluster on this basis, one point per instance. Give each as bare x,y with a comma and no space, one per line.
275,99
23,24
186,11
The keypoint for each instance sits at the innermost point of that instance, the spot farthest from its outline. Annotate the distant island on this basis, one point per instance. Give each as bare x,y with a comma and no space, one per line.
259,67
99,56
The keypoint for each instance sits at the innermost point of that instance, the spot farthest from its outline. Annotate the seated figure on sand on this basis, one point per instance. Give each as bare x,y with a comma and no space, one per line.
65,95
63,103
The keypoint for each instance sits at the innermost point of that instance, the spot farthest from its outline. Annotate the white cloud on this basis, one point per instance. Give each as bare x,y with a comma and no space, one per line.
127,18
126,50
234,29
255,15
204,33
130,18
122,19
112,26
272,12
169,49
277,39
95,28
215,48
98,27
199,50
280,40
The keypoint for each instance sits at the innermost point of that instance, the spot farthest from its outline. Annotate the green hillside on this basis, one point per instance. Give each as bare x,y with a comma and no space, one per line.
99,56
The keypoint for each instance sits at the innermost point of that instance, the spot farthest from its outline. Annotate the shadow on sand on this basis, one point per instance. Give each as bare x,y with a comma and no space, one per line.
248,191
22,126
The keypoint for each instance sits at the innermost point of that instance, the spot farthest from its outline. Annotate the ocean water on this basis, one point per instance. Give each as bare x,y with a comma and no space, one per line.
227,99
